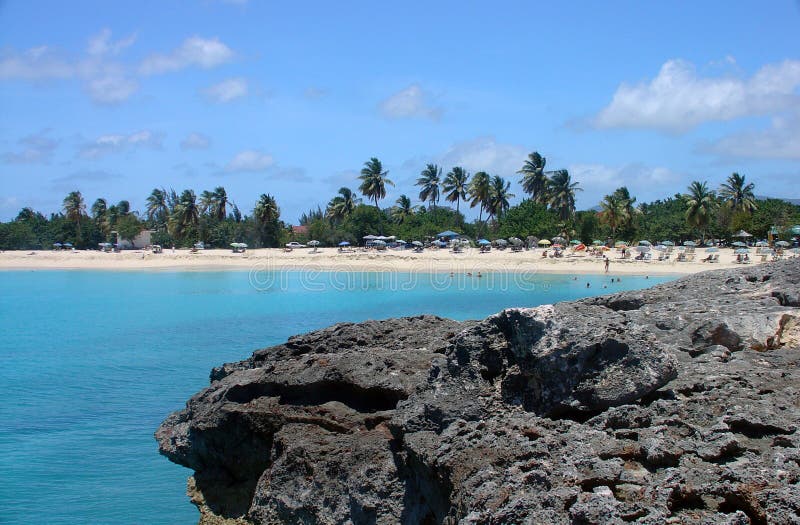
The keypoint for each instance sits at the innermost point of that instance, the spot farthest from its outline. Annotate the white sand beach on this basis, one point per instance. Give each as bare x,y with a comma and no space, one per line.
331,259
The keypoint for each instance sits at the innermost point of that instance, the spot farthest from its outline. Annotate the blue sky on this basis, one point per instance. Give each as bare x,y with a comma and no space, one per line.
115,98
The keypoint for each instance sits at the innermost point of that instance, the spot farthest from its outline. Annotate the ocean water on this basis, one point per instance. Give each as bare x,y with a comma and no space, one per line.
91,362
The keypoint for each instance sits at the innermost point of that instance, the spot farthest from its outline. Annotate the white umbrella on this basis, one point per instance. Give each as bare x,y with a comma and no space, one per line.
313,243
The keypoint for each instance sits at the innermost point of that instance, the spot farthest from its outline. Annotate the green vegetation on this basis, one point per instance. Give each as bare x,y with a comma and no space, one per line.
549,210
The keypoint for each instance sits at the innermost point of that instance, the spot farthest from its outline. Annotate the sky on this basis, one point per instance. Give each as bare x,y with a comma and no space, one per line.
291,98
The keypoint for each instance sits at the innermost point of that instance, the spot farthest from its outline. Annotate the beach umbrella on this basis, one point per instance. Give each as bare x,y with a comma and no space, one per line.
598,243
762,244
742,233
659,247
642,249
401,241
67,245
502,242
416,243
795,229
689,243
558,240
313,243
645,243
739,244
544,242
379,242
447,233
712,249
370,237
516,241
57,244
741,250
484,242
575,242
782,244
668,243
344,243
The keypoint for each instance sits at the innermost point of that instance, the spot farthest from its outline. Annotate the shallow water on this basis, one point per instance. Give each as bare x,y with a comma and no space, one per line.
91,362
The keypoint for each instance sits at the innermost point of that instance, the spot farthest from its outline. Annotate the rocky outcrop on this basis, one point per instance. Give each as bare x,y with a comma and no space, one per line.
676,404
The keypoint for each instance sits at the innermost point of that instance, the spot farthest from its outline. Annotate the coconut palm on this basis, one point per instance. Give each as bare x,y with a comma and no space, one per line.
455,186
100,215
374,180
185,215
342,205
479,192
403,210
612,212
499,194
534,178
629,211
266,210
561,191
700,205
429,182
157,206
737,194
207,200
220,203
74,207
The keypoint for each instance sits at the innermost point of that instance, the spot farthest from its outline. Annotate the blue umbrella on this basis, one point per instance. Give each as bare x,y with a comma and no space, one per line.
645,243
447,233
484,242
68,244
58,244
344,243
739,244
689,243
668,243
742,250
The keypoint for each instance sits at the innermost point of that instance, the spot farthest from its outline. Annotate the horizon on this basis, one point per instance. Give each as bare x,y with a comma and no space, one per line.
113,101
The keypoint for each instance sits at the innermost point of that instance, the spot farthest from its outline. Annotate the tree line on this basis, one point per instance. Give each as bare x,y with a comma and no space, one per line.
548,209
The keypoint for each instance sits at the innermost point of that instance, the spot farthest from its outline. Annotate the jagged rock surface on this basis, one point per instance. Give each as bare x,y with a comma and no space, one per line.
677,404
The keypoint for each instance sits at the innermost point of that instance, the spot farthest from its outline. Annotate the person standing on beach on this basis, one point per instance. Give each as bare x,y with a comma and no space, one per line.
607,263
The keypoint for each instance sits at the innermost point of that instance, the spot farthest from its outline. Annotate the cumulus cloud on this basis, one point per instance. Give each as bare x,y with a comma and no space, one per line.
249,161
485,154
410,102
644,182
116,143
200,52
780,141
227,90
195,141
34,149
111,89
36,63
678,98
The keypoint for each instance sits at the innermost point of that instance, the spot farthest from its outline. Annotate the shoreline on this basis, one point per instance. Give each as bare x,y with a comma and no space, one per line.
330,260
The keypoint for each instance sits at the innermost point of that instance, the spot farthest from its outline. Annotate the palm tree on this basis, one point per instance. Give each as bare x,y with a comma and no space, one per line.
479,192
207,200
561,192
342,205
499,194
74,207
99,209
455,186
157,207
612,212
374,180
629,211
429,182
220,203
403,210
738,195
185,215
700,205
266,210
534,178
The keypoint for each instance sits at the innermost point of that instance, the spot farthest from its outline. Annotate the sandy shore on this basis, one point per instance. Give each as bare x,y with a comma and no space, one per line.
331,259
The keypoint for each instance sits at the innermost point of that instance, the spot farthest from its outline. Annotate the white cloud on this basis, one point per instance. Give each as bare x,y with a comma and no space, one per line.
678,99
111,89
101,44
115,143
644,182
409,103
780,141
485,154
249,161
195,141
227,90
36,148
37,63
195,51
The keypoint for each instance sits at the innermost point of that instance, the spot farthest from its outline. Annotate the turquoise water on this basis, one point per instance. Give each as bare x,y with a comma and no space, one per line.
91,363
